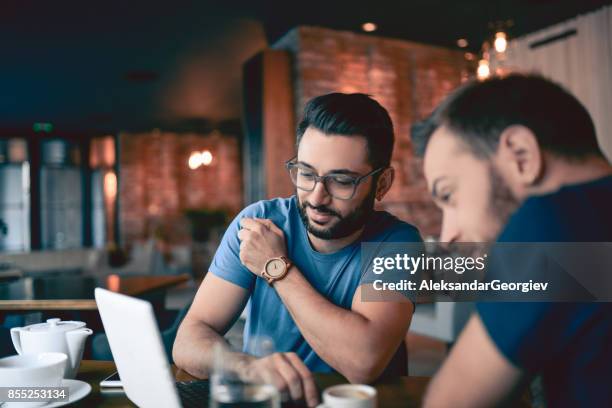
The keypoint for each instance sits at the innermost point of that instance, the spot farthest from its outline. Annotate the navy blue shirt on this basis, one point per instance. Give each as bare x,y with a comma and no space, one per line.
569,344
335,275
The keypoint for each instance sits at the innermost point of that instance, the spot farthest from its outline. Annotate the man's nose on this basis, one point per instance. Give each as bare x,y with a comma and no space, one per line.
450,231
319,196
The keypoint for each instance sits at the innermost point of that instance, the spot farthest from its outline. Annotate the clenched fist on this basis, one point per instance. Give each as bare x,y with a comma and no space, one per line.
260,240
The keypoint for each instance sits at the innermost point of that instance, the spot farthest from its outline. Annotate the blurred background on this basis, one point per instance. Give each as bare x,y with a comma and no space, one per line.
132,132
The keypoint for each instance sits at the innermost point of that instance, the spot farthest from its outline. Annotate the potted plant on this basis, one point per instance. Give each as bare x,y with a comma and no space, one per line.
205,222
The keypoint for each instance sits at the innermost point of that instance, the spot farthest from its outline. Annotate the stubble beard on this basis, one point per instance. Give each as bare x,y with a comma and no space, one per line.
344,226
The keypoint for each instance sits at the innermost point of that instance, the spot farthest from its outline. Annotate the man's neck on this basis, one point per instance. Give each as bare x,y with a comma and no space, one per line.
327,246
563,173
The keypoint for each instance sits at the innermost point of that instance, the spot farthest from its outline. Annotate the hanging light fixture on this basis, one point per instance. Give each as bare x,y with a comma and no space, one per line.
501,42
489,62
483,70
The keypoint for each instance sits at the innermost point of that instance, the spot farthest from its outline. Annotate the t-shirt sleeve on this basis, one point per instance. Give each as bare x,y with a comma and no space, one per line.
512,326
226,262
531,334
403,239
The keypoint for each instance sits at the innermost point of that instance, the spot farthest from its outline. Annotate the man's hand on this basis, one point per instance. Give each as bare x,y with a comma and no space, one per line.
288,374
260,240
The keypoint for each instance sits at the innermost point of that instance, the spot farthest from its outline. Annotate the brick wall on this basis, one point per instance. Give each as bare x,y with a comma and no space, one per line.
156,185
407,78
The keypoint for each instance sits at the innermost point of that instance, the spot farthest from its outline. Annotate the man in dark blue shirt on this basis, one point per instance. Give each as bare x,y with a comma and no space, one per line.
516,159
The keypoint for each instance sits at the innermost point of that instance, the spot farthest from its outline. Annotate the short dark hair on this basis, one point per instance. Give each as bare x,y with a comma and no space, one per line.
479,111
354,114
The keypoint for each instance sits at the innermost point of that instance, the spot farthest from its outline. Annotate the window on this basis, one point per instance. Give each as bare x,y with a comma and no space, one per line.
57,192
98,218
14,196
103,190
61,196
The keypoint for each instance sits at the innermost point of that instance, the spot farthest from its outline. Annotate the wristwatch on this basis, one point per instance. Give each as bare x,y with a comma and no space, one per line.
276,269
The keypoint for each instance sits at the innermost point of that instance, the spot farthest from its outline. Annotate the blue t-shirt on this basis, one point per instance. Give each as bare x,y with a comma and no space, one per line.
569,344
336,275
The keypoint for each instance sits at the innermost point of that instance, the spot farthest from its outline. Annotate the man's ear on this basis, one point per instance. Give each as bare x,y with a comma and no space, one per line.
520,153
384,183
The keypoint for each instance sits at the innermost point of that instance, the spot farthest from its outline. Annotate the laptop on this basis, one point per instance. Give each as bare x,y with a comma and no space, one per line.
140,357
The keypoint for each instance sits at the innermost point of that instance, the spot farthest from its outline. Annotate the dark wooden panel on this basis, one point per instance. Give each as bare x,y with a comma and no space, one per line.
269,124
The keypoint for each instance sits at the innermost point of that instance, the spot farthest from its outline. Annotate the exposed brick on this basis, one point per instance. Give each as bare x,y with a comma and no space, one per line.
157,186
407,78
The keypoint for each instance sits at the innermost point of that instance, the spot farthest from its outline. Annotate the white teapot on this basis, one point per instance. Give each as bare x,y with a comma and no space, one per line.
66,337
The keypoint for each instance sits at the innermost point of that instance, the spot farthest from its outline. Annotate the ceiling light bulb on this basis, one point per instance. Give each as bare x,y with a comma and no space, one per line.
369,27
195,160
483,70
501,41
206,157
462,43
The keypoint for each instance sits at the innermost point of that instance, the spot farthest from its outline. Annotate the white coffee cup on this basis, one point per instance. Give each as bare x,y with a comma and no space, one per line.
350,396
32,370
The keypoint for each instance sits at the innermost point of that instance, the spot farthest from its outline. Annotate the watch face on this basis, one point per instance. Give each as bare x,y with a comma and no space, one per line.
275,267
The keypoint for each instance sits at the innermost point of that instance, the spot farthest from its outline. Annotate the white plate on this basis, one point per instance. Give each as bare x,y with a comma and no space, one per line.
76,390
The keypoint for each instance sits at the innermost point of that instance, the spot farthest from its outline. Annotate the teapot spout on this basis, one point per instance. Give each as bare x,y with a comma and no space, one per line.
76,343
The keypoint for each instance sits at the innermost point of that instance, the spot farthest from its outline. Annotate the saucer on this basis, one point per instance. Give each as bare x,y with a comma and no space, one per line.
76,390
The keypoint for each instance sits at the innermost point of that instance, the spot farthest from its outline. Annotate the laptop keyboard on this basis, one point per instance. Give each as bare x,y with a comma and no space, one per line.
193,393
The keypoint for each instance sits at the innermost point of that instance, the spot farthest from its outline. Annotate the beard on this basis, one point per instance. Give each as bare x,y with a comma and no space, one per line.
502,202
501,205
345,225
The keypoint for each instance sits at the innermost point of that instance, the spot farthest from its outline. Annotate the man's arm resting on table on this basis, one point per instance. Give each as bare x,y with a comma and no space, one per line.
358,343
475,374
215,308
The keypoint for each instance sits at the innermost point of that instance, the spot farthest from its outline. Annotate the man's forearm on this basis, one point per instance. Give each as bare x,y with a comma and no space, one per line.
343,338
194,352
193,348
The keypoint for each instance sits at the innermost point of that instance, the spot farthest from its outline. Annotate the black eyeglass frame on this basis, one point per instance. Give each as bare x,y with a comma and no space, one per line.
289,164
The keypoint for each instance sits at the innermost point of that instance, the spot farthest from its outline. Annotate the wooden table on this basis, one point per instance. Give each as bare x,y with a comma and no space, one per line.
77,292
404,392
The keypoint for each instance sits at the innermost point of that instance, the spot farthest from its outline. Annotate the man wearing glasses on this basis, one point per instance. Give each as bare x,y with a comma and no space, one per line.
297,260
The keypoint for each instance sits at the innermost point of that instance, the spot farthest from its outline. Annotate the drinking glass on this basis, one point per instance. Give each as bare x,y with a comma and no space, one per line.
231,387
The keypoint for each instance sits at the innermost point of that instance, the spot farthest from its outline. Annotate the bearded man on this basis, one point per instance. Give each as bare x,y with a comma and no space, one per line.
296,260
516,160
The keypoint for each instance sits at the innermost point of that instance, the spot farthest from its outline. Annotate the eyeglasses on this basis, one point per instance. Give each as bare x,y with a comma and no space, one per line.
340,186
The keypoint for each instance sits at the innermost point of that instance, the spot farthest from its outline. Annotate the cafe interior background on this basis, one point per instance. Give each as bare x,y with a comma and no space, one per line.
132,132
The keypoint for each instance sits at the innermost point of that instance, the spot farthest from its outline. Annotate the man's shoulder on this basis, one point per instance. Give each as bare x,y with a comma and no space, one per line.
269,208
535,208
557,323
384,226
571,213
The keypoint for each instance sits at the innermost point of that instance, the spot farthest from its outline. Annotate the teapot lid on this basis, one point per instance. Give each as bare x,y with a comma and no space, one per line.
55,325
